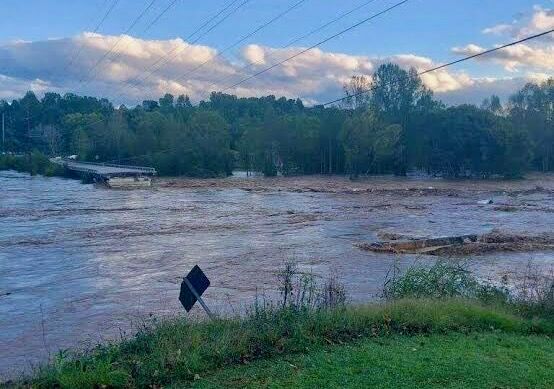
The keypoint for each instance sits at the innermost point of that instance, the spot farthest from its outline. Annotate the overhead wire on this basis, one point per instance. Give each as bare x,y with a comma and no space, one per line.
74,57
211,19
147,28
467,58
451,63
316,45
244,38
113,47
298,39
151,69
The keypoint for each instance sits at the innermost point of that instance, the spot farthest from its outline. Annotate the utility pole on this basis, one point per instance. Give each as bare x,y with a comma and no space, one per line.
28,123
3,134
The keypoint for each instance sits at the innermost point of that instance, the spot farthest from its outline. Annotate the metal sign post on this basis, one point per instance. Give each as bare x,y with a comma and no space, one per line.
192,288
195,293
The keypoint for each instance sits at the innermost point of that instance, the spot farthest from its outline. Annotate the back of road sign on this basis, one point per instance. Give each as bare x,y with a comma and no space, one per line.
199,282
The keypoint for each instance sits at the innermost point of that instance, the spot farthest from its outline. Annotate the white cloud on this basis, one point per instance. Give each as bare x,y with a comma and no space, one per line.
499,29
315,76
481,88
531,56
514,57
541,19
254,54
11,87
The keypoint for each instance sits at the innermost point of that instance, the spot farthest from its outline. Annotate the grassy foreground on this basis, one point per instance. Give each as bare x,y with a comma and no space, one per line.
361,339
485,360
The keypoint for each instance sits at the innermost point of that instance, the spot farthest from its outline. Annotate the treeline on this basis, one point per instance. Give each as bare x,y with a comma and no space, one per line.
396,128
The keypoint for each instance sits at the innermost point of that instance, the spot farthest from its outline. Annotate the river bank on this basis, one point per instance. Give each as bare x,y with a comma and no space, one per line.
416,185
483,360
253,352
81,263
32,163
442,312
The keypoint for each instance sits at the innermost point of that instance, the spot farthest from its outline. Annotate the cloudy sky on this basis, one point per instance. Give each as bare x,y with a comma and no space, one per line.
130,50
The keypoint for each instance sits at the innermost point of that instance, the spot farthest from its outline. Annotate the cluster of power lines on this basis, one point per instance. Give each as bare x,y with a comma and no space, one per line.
220,16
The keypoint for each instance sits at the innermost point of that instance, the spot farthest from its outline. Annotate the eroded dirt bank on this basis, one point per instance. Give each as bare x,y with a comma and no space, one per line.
377,184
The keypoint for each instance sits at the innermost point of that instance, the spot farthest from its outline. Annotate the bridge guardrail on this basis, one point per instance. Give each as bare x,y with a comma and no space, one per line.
145,169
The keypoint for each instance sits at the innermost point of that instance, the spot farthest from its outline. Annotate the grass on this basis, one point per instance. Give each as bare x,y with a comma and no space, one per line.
486,360
176,351
442,307
532,296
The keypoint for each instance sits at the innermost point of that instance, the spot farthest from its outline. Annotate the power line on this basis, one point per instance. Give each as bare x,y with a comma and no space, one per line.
452,63
332,21
96,28
419,74
164,11
158,17
151,69
485,52
316,45
106,54
225,8
250,34
98,25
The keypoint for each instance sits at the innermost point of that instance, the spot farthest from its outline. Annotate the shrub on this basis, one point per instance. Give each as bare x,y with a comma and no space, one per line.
440,280
308,315
532,296
33,163
300,290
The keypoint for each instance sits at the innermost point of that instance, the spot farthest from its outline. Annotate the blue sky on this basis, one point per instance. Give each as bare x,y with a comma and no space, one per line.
422,28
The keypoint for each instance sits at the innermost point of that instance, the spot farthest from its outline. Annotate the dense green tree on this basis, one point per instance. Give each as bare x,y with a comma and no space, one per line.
532,109
390,124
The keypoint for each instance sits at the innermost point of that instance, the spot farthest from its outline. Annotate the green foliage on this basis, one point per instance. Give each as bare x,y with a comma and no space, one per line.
533,297
301,291
441,280
488,360
176,350
357,137
531,110
33,163
442,300
395,128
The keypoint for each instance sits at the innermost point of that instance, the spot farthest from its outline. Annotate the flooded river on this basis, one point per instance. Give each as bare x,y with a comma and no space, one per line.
78,263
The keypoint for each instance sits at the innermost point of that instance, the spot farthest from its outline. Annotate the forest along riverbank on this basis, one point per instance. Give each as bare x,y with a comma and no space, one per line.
80,263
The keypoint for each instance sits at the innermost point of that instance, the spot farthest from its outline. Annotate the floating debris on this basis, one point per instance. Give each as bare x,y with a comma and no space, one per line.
471,244
485,202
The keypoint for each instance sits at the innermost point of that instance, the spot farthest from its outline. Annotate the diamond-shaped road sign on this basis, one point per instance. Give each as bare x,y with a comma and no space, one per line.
192,287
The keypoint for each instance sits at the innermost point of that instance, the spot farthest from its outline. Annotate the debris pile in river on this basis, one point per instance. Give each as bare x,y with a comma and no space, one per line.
472,244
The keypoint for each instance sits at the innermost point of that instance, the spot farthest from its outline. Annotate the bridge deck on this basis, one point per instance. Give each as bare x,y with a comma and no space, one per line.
106,170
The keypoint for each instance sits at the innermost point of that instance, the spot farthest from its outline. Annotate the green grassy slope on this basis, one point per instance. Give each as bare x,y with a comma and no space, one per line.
484,360
175,352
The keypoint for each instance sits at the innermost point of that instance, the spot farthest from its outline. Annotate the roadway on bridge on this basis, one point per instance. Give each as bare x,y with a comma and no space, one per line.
105,169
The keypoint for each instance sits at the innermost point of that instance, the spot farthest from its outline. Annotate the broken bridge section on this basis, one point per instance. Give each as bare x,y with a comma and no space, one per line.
113,175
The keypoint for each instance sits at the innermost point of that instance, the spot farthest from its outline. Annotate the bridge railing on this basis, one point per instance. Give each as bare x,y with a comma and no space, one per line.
144,169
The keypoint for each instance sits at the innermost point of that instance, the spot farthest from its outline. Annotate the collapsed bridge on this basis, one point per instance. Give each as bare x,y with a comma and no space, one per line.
112,175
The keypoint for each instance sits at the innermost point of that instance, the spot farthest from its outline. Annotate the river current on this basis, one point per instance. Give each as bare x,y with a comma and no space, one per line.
81,264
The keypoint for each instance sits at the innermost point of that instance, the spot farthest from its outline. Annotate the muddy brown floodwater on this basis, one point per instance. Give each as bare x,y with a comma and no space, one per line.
78,263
